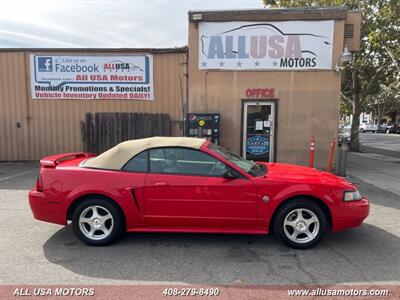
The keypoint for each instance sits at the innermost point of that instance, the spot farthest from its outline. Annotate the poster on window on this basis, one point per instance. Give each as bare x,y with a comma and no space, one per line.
283,45
257,145
86,77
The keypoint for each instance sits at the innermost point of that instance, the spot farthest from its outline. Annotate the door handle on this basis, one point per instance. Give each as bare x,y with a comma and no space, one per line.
161,183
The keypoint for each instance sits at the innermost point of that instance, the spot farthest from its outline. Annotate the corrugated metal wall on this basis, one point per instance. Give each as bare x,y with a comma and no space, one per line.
53,126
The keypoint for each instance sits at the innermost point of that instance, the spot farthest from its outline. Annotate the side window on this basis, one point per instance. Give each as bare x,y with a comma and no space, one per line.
139,163
185,161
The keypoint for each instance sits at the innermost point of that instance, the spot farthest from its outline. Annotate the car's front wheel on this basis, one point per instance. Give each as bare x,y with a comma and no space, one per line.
300,224
97,222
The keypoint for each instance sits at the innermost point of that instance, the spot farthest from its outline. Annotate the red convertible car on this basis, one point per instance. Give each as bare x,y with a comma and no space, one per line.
178,184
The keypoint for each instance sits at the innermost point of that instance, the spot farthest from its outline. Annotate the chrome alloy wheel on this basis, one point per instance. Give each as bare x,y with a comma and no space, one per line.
96,222
301,225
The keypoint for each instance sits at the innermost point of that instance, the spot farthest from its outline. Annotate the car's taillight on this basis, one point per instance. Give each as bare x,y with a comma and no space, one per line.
39,183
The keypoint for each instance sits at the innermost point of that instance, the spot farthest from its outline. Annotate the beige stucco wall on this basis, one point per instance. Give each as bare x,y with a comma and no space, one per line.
354,19
308,102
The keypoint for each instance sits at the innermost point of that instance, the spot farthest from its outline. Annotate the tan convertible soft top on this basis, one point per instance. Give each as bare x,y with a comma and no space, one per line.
116,157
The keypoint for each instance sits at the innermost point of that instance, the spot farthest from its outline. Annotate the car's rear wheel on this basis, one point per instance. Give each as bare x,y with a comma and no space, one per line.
97,222
300,224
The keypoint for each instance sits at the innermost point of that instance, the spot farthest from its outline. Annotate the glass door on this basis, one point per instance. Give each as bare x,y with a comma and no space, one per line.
258,130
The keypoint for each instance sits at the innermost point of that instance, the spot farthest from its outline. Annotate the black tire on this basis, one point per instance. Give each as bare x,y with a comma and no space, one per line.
116,223
287,210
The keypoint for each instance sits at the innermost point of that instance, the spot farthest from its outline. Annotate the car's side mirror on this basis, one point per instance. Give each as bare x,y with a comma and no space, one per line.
230,174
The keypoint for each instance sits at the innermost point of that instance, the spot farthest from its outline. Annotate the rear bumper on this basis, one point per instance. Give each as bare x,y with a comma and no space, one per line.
45,210
350,214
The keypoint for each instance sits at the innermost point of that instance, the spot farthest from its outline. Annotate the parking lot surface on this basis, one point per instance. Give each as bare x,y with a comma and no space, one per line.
381,143
383,171
33,252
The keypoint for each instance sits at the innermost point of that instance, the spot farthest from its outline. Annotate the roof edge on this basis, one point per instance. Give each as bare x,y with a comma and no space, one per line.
183,49
271,14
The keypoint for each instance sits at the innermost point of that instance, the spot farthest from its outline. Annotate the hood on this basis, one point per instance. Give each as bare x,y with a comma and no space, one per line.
295,173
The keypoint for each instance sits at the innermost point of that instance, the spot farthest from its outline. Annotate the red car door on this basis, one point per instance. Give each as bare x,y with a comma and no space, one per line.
185,187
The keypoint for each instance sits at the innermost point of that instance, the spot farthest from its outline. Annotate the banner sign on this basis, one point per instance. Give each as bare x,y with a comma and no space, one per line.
284,45
92,77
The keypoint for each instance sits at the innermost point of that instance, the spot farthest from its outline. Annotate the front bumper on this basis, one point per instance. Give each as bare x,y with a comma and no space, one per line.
45,210
350,214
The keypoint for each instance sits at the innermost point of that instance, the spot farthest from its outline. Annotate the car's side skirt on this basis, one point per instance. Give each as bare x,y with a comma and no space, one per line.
200,230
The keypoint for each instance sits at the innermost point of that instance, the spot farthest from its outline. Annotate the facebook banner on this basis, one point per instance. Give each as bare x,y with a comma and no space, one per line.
92,77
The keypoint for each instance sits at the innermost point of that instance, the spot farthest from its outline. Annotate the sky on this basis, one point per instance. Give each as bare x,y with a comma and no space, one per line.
102,23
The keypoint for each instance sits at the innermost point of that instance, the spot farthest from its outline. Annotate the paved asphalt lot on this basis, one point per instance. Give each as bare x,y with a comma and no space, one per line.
386,144
389,141
33,252
380,170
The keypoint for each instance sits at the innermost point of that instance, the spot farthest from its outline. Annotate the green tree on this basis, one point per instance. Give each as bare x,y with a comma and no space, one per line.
373,72
387,100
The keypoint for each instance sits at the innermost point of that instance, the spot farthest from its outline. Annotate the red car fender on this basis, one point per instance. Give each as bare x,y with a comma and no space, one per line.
123,198
303,191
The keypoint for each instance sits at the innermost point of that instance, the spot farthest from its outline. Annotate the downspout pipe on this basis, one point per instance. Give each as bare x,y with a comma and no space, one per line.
186,90
206,92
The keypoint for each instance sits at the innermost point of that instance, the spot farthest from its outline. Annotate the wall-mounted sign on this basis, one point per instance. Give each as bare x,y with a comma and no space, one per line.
92,77
288,45
257,145
260,93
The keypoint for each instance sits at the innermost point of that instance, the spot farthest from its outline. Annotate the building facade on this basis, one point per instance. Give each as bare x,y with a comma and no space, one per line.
273,76
31,128
271,102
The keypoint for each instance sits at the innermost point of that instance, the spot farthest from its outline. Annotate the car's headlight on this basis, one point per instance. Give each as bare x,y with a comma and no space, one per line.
351,196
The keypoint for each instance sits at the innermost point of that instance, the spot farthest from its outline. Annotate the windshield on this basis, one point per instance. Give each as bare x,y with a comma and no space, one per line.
246,165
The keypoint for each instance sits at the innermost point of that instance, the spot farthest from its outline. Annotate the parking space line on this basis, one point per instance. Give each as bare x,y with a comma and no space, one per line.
16,175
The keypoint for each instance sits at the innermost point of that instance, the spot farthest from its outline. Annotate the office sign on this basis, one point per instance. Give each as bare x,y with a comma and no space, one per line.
86,77
284,45
260,93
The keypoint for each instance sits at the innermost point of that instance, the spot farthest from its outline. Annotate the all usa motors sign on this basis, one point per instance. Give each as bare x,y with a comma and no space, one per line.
92,77
288,45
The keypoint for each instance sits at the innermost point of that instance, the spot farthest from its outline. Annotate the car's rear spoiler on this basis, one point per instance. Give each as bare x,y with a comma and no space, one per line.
54,160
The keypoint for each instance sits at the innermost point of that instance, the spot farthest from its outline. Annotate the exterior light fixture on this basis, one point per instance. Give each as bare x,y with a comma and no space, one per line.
197,17
347,55
344,58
